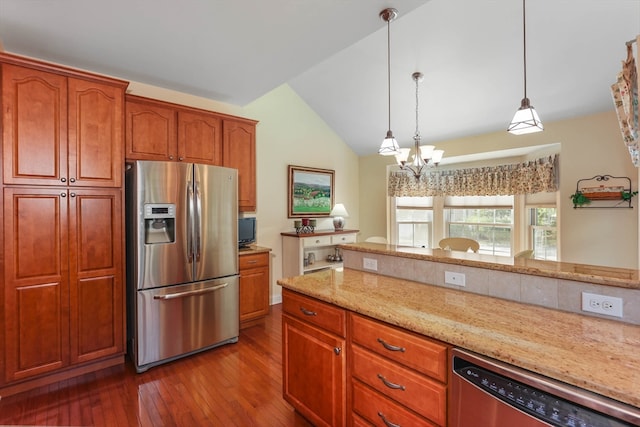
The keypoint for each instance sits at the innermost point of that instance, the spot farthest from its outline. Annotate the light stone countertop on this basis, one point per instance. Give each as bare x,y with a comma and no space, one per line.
601,275
599,355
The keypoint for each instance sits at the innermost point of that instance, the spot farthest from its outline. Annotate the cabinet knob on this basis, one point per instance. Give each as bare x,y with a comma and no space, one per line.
72,194
317,241
181,158
63,194
170,157
63,179
72,180
337,350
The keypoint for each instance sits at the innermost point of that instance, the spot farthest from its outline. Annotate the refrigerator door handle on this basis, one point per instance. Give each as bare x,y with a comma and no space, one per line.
198,221
190,221
191,293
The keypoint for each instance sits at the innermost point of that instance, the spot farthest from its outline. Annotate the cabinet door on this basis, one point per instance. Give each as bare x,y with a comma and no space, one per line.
199,138
95,265
239,152
254,293
150,131
95,134
314,372
34,122
36,292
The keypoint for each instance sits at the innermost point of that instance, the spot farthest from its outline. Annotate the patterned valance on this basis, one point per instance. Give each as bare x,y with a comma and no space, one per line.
534,176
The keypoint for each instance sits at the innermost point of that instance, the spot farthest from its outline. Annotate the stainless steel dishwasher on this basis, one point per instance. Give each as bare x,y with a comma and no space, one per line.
489,393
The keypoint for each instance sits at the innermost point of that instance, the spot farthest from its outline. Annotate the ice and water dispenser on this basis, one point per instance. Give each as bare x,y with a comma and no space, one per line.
159,223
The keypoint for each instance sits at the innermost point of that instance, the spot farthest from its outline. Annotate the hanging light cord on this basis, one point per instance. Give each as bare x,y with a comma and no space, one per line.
524,41
417,134
389,69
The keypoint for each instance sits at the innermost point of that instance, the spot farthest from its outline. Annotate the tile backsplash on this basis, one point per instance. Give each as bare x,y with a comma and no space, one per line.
548,292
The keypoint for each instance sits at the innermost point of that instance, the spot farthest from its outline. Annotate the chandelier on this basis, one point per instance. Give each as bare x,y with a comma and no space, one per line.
526,119
424,156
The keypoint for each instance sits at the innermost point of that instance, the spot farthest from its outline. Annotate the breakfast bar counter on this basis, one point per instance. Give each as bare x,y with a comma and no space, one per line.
596,354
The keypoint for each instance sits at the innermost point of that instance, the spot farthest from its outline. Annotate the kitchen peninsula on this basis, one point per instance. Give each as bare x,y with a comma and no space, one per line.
596,354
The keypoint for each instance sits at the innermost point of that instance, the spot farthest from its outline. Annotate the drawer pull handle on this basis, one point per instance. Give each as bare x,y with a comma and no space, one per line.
253,261
337,350
387,422
390,384
307,312
391,347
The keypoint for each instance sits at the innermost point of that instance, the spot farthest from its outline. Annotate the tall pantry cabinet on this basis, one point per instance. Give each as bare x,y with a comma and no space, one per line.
62,294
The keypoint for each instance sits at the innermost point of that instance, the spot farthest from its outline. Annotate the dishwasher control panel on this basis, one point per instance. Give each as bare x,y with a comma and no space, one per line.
544,406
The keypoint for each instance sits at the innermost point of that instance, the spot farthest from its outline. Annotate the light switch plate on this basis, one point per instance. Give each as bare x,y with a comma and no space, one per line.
370,264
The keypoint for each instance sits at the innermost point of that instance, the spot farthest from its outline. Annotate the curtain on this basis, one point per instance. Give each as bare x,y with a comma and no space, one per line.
536,176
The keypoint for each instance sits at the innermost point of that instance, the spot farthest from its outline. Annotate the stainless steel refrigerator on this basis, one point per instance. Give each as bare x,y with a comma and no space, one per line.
182,259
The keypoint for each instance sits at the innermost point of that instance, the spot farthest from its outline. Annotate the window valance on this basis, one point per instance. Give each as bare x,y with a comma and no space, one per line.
535,176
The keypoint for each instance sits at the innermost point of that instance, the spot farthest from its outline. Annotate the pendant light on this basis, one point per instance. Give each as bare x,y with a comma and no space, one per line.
424,155
389,146
526,119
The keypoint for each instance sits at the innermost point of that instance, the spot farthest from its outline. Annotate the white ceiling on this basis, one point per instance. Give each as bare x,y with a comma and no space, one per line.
333,53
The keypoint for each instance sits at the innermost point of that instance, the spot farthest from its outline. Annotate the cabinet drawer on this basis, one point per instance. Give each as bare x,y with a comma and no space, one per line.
315,312
376,409
404,347
343,238
253,260
309,242
415,391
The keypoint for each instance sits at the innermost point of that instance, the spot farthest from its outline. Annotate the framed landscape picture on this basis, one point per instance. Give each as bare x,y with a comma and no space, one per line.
310,192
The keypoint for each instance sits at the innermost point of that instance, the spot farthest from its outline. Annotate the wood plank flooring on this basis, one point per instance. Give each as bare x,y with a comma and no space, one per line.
233,385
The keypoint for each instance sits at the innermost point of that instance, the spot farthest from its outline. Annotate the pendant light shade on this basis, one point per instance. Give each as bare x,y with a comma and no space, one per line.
526,119
389,146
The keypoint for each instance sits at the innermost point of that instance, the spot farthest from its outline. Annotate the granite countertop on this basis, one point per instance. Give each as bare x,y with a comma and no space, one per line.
602,275
253,249
599,355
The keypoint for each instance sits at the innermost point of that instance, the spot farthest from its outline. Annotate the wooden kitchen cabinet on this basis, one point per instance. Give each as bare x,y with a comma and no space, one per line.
63,285
396,375
62,292
239,152
313,358
255,282
61,129
157,130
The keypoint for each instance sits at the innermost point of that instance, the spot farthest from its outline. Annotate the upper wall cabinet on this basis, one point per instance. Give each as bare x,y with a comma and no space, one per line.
239,152
158,130
59,128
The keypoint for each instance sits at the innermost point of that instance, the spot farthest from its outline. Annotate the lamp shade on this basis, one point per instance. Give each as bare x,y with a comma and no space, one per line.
339,210
389,146
525,120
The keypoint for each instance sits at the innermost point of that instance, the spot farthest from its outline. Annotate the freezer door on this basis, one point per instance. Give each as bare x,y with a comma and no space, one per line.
216,224
179,320
161,251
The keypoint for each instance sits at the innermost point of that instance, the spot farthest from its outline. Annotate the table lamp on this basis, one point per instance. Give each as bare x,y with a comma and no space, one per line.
339,213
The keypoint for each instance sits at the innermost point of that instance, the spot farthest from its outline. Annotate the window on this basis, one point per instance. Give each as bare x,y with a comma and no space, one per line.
543,232
492,228
414,221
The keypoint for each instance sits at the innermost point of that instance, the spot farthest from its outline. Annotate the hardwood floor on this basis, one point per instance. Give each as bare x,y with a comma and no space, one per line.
233,385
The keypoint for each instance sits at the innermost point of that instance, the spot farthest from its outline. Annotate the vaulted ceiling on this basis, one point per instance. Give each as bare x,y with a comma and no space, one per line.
333,53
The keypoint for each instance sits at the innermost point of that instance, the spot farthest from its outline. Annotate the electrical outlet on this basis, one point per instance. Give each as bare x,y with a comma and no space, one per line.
370,264
602,304
451,278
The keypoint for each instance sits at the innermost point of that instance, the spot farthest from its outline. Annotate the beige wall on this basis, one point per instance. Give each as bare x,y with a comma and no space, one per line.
288,133
590,145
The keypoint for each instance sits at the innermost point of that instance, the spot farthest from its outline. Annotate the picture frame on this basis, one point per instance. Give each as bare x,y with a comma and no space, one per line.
310,192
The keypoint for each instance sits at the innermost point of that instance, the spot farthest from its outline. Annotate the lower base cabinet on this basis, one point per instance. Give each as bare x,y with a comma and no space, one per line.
314,366
254,287
386,376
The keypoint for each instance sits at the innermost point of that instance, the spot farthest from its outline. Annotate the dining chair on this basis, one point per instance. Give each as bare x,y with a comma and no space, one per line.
459,244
